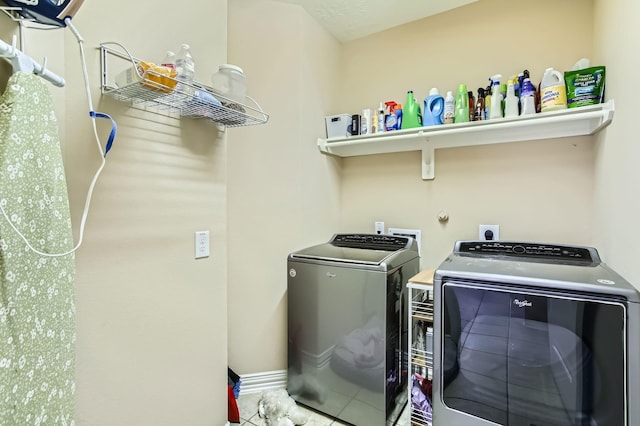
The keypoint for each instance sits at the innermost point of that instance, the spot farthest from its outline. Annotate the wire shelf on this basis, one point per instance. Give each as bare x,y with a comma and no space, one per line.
422,307
421,344
169,96
421,418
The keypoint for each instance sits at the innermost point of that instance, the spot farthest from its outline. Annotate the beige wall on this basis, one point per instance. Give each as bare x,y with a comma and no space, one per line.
283,195
617,175
151,320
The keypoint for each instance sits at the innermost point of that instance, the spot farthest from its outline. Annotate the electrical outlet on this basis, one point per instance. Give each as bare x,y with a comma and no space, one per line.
202,244
379,228
413,233
489,232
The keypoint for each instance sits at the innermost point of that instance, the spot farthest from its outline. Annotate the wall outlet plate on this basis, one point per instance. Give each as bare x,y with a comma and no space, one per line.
202,244
379,228
414,233
489,232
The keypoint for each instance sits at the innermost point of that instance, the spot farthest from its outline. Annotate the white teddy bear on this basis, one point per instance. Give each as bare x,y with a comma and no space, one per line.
279,409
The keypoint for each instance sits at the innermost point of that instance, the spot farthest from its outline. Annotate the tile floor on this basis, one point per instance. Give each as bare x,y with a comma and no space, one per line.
248,406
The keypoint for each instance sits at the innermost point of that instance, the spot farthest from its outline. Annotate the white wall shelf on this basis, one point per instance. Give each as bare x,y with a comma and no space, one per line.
581,121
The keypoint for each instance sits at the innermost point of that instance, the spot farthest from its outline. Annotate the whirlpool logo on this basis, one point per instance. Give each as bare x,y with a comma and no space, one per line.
522,303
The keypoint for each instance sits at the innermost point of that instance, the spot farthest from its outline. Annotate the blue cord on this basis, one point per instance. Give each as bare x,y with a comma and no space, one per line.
114,128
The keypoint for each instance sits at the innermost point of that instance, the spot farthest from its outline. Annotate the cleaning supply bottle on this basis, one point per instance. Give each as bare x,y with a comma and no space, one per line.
511,101
449,108
517,81
521,76
487,100
495,110
411,115
527,98
390,118
478,111
399,116
503,92
462,104
472,105
380,117
553,94
433,108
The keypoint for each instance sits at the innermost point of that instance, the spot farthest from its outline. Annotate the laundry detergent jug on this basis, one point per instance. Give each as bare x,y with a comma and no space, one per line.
553,93
433,108
411,115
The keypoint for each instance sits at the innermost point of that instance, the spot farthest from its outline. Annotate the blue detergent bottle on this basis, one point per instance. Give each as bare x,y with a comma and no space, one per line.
433,108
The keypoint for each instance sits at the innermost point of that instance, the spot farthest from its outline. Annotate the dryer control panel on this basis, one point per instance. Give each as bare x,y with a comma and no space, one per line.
529,251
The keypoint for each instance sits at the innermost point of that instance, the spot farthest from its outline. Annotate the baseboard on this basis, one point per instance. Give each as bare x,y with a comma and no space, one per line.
259,382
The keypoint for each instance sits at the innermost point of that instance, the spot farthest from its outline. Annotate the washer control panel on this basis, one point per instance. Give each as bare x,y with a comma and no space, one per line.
371,241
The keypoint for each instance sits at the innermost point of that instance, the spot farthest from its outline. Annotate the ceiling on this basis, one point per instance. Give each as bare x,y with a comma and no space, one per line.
348,20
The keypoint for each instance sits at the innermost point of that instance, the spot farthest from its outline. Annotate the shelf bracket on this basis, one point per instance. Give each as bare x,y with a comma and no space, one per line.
428,162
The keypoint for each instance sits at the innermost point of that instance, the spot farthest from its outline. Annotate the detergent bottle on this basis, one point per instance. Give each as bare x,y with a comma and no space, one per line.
433,108
495,110
411,115
390,118
462,104
553,94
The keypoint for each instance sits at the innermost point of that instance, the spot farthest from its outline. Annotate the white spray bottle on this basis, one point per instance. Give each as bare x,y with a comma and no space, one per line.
511,101
495,110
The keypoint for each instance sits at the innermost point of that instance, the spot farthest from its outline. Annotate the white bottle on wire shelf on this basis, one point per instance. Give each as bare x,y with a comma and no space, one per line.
185,68
169,60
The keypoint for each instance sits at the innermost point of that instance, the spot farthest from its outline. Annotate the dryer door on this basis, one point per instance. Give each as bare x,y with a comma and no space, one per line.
516,356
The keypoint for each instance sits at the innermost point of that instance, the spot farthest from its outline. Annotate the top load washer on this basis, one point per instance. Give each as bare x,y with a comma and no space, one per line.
347,326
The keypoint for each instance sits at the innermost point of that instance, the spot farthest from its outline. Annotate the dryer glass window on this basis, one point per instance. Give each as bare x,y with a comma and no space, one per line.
521,358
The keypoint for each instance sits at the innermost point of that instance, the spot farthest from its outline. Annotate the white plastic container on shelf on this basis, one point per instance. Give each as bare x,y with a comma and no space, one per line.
553,93
230,82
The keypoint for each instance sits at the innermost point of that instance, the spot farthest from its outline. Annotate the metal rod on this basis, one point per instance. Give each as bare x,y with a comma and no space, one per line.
20,61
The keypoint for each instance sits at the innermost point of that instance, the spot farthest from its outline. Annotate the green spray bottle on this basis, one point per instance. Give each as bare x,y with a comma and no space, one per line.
411,114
